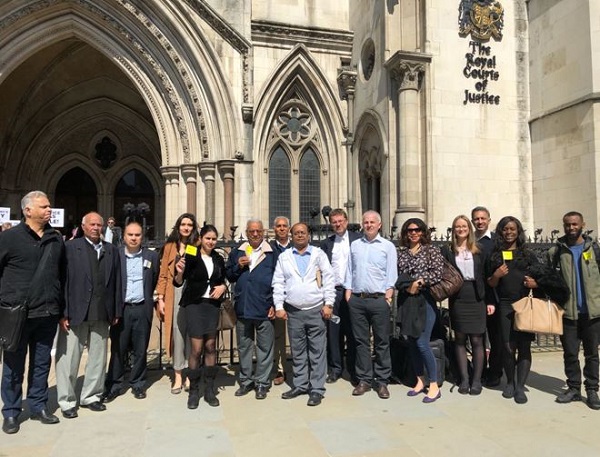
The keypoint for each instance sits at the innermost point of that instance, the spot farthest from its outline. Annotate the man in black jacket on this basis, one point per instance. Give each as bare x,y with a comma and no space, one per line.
32,271
339,334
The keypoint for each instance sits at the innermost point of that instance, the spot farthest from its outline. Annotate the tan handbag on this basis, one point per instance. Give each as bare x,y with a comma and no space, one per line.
227,316
536,315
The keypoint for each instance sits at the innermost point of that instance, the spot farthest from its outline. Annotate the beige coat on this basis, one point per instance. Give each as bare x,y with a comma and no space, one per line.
165,287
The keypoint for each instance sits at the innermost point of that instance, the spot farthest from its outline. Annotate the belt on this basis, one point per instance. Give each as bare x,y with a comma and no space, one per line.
368,295
134,304
339,287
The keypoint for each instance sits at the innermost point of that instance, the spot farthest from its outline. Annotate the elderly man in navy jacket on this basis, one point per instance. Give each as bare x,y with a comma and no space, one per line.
251,267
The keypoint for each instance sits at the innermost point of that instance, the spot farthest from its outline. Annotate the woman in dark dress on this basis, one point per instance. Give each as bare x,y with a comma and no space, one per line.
508,272
467,308
203,271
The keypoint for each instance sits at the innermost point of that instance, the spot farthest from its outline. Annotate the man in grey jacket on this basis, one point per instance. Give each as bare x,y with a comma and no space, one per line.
576,256
303,294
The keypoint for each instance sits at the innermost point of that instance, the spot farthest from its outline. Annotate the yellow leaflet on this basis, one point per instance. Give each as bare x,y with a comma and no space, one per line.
191,250
507,255
587,255
249,250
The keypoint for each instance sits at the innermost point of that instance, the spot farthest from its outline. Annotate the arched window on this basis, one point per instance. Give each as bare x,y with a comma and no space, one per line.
310,185
279,185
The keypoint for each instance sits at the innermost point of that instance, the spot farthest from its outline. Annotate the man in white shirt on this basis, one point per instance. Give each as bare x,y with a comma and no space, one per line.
303,294
339,335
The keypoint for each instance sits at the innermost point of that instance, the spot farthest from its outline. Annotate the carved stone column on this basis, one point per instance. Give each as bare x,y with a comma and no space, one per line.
227,171
407,70
188,171
171,177
347,83
207,173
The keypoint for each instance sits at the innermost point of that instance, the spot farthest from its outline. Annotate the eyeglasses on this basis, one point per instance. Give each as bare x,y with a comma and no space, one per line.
414,230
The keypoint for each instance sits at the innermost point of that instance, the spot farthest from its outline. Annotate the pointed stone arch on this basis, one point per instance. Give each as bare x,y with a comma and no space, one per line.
177,89
298,83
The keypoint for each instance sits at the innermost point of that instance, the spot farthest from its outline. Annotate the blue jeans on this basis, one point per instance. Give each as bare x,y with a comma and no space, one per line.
420,351
38,336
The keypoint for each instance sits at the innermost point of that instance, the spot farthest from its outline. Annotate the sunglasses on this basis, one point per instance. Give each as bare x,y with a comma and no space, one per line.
414,230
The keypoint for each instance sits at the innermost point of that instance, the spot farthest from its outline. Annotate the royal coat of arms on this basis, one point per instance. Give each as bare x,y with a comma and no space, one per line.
483,19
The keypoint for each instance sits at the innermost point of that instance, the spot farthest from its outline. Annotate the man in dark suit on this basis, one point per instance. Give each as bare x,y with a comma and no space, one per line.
139,274
339,335
93,302
480,216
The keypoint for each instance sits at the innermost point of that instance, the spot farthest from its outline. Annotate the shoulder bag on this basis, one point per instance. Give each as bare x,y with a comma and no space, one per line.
450,284
536,315
227,316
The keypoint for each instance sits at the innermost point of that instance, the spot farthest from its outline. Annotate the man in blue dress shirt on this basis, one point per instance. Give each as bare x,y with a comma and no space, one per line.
370,279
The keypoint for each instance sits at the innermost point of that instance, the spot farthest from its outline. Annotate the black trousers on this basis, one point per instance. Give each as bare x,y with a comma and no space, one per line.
340,338
132,331
575,333
494,367
366,315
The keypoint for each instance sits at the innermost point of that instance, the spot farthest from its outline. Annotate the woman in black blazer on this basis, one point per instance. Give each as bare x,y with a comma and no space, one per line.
467,308
203,271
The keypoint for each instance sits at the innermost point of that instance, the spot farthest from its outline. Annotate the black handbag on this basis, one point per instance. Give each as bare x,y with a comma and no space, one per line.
12,321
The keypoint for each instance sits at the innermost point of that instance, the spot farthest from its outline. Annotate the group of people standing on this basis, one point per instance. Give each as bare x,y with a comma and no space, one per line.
87,289
334,300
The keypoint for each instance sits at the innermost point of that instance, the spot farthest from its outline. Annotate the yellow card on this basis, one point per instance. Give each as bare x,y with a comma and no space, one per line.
507,255
587,255
249,250
191,250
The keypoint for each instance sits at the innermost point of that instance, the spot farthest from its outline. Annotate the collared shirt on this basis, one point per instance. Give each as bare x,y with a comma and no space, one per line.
487,234
134,292
302,259
256,253
371,266
339,257
97,247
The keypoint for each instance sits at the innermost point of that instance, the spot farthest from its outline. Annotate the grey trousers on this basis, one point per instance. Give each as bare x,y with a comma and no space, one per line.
308,343
181,343
248,331
69,349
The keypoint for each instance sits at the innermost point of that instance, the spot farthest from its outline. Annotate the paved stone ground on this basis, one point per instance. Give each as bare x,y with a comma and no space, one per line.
343,426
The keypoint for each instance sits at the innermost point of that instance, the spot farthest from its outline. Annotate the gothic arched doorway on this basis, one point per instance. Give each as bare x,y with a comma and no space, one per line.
75,192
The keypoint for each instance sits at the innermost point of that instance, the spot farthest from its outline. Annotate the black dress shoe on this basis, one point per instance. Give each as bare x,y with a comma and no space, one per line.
383,392
10,425
332,378
107,397
314,399
293,393
244,390
44,417
70,413
261,392
95,406
138,393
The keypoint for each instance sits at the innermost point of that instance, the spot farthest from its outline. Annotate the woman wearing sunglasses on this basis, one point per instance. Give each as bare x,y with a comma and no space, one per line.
420,264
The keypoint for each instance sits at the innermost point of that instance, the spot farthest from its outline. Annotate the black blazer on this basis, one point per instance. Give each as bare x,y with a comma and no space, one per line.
479,270
78,290
150,277
327,244
196,277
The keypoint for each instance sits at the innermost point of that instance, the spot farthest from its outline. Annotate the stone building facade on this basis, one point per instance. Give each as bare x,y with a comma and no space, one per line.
234,109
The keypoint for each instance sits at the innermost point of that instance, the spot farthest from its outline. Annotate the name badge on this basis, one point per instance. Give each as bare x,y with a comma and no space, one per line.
191,250
147,263
507,255
587,256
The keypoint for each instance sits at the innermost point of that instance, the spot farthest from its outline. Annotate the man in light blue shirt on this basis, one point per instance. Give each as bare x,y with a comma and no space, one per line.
370,278
139,270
